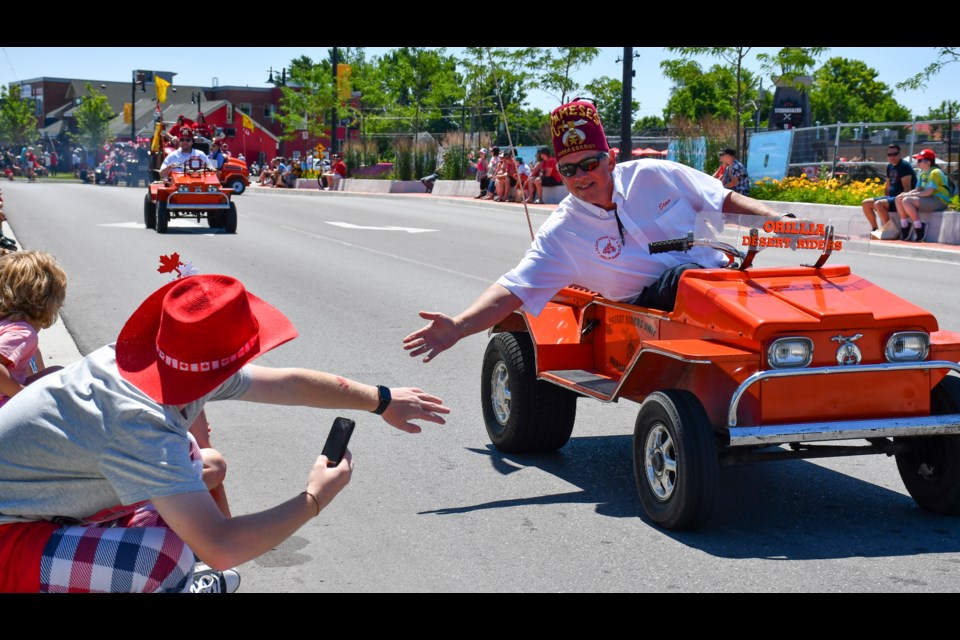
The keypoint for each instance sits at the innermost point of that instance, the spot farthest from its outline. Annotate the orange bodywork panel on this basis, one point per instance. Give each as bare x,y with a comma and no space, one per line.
718,336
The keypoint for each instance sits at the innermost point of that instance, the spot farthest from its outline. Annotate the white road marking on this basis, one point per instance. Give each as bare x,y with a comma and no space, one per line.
384,253
184,224
347,225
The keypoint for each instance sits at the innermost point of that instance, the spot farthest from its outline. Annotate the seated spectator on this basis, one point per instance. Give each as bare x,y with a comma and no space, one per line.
337,173
289,177
544,174
734,175
900,177
523,180
506,177
932,194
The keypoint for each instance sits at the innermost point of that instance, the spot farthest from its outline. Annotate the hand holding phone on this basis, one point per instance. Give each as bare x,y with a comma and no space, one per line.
337,440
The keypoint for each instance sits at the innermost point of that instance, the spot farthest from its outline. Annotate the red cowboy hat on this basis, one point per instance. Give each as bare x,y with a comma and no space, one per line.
192,334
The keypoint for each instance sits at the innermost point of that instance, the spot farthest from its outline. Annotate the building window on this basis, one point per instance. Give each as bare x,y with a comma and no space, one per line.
269,110
246,108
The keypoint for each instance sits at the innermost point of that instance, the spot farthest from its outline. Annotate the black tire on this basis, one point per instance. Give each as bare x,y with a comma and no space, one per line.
675,461
930,470
230,225
237,185
149,212
522,414
163,217
217,219
321,183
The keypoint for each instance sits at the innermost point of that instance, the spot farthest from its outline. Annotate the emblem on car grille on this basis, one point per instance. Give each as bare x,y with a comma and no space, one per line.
848,353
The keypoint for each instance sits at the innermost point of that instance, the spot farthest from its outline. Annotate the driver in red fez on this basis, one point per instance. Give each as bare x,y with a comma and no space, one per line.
175,160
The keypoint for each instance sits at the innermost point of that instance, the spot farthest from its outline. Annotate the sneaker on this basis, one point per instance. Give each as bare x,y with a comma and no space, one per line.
905,232
920,233
207,580
877,234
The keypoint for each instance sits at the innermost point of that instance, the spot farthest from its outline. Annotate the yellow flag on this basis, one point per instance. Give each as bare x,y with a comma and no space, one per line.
128,112
247,122
157,142
162,86
343,81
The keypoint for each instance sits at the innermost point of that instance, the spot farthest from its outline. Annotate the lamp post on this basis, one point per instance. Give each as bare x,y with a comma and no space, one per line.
139,77
197,99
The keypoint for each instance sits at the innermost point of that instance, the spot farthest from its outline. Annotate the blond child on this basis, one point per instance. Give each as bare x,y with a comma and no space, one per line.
32,290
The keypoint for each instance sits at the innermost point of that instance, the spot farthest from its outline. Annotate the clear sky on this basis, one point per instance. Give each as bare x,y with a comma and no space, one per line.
249,66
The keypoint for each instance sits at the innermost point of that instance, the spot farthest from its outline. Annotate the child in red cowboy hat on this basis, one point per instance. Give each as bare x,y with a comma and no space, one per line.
112,429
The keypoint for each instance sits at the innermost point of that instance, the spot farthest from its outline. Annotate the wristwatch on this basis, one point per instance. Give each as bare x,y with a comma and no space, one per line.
384,399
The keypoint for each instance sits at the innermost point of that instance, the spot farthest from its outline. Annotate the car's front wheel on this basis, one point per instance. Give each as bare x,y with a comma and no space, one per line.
149,212
163,217
930,468
675,460
522,414
237,185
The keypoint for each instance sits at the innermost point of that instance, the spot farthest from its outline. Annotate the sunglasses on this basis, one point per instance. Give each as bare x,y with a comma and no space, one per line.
587,165
893,153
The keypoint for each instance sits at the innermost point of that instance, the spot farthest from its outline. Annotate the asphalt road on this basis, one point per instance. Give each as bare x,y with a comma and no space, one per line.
443,511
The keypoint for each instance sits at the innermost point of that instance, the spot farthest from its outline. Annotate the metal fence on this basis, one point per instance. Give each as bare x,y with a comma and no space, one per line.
847,146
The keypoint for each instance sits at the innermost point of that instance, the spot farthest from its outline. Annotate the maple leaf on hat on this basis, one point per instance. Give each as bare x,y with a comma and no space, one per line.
171,263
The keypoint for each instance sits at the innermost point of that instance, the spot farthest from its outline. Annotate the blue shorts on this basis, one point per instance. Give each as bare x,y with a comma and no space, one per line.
891,200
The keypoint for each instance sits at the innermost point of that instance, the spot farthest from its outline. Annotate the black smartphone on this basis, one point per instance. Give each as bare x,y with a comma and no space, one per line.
337,440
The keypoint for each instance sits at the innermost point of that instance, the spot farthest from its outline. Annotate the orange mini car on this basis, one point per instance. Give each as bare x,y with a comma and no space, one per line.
753,363
193,192
234,175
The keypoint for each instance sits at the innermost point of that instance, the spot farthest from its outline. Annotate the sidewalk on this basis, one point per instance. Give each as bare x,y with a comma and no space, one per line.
885,248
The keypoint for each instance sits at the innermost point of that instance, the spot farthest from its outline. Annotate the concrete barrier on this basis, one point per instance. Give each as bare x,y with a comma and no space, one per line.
466,188
381,186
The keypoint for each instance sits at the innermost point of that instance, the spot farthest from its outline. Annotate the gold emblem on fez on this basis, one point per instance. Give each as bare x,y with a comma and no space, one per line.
573,136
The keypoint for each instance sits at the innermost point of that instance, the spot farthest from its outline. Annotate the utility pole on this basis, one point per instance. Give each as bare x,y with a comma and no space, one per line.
334,143
626,119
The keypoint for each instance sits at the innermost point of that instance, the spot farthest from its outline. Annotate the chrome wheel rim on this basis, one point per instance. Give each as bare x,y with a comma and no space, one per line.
660,462
500,392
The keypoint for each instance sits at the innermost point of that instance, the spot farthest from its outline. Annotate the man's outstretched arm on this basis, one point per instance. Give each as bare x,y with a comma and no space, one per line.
493,305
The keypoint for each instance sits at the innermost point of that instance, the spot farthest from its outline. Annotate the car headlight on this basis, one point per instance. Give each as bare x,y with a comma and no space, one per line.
907,346
787,353
212,188
183,188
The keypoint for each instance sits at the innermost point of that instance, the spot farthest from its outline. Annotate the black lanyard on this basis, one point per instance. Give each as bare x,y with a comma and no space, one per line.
619,225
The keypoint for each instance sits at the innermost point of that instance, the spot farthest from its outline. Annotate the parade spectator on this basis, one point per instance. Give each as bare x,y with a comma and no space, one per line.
900,177
32,290
481,172
523,180
617,204
734,174
931,194
67,464
492,173
337,173
506,177
544,174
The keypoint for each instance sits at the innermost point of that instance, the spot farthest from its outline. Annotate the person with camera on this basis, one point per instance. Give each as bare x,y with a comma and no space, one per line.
598,235
100,480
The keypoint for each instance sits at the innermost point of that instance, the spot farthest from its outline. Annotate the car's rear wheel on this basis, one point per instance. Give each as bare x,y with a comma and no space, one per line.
163,217
217,219
522,414
675,460
230,225
237,185
149,212
930,468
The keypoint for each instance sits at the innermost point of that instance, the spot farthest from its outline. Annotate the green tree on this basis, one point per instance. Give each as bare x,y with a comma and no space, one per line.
306,99
556,65
697,94
491,78
846,90
948,110
93,118
945,55
607,94
18,124
647,125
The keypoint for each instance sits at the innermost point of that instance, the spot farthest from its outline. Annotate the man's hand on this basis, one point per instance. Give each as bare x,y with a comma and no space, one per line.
409,403
438,336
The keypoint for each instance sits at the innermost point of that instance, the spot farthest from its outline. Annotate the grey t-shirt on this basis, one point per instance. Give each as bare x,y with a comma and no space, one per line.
83,439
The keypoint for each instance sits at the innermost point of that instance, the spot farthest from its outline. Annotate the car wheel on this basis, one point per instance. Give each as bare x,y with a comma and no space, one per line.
163,217
675,460
237,185
149,212
522,414
217,219
930,468
230,226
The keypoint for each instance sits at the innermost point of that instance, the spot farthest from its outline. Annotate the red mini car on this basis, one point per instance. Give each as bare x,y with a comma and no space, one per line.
754,363
194,192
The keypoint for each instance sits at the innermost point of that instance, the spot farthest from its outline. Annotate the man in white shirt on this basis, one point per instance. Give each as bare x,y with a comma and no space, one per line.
176,159
598,235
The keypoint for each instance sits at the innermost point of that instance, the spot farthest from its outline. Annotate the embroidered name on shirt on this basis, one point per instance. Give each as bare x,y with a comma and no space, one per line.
608,247
663,204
